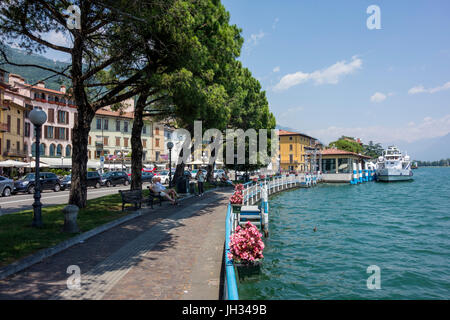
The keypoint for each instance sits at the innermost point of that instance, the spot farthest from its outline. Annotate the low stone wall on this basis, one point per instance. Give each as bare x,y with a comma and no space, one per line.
337,177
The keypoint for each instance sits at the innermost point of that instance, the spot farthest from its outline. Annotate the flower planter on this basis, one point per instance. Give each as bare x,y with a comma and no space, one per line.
236,207
248,270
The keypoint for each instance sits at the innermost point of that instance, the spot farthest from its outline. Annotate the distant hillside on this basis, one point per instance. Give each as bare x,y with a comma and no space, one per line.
33,75
428,149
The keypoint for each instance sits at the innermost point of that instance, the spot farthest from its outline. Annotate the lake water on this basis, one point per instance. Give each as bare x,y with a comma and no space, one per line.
403,228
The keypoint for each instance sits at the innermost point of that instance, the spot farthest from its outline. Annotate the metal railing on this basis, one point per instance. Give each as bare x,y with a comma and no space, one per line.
254,192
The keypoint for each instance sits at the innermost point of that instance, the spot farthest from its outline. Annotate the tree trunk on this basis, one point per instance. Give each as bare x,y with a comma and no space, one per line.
179,171
210,173
136,144
80,135
80,138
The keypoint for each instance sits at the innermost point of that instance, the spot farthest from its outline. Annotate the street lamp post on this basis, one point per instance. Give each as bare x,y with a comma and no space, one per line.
38,118
170,146
120,157
279,165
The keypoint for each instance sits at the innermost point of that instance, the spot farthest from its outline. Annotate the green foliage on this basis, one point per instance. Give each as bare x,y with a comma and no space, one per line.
33,75
373,150
438,163
59,172
347,145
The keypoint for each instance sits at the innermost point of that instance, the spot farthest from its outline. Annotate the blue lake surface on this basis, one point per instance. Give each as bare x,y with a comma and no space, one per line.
403,228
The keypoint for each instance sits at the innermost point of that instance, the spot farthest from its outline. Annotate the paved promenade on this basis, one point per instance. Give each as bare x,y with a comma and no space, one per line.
168,253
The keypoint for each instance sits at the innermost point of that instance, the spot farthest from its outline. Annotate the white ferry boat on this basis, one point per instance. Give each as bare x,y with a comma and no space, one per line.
393,166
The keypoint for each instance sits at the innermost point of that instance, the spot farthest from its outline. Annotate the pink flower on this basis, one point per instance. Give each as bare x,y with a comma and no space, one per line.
246,244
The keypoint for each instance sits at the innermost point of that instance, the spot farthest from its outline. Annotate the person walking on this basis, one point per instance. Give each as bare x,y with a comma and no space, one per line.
200,182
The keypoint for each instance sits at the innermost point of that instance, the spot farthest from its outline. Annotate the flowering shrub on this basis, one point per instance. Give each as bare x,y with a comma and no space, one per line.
246,245
237,198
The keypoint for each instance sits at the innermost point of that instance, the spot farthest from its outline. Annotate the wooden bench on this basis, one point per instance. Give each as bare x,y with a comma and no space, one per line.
131,196
153,195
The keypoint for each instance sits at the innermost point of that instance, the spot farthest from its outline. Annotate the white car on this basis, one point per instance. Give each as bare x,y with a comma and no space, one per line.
218,173
164,175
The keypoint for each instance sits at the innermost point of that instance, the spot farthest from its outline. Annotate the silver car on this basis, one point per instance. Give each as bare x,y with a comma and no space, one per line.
6,186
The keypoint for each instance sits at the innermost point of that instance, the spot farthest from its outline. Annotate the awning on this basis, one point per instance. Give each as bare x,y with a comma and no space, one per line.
57,162
12,164
93,164
32,164
196,162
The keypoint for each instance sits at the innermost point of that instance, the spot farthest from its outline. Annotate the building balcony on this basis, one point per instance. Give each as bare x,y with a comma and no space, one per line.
15,153
289,162
99,145
4,127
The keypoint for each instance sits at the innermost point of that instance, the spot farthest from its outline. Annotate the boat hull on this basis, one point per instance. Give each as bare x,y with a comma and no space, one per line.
394,178
391,175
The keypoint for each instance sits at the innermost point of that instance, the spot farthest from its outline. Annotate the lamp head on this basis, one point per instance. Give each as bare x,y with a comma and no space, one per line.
37,117
170,145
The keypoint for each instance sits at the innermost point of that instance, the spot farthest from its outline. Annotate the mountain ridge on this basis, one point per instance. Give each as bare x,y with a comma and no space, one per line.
32,74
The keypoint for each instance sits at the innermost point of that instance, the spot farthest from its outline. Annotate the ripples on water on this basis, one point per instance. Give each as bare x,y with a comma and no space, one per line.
401,227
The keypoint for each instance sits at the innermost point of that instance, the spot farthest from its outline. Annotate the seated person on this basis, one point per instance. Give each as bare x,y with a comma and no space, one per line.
158,188
224,178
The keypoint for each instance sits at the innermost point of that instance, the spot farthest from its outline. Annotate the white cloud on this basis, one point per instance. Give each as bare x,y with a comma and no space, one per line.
255,38
378,97
409,132
276,69
421,89
274,25
330,75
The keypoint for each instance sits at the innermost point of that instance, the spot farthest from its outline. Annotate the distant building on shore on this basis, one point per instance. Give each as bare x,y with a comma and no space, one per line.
298,152
110,133
337,165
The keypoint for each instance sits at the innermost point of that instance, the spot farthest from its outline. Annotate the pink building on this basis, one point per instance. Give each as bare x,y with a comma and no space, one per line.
56,137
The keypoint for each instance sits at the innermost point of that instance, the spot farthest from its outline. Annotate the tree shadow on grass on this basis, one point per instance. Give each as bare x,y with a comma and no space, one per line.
115,251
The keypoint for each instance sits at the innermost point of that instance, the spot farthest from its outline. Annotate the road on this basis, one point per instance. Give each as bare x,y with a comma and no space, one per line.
22,201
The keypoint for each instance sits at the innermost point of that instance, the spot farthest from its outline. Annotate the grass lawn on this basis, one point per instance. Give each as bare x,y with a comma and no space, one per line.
18,239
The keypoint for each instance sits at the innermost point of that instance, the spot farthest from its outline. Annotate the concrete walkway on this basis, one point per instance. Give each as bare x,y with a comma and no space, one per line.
168,253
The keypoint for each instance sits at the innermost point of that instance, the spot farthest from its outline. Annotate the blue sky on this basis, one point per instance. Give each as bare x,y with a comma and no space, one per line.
327,74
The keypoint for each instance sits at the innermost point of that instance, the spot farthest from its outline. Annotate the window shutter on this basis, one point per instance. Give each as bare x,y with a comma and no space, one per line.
56,133
67,132
45,132
67,117
51,115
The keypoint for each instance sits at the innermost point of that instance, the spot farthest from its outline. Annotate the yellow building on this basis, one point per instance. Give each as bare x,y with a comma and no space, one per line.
13,110
293,146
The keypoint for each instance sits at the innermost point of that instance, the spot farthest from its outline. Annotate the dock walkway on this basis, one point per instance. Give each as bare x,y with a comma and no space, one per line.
168,253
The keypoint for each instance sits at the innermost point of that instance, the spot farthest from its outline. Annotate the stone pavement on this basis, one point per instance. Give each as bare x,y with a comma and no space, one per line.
168,253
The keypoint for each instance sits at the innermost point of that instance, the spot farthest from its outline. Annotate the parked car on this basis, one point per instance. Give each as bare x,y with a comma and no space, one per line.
6,186
114,178
49,181
146,176
218,173
93,180
188,174
164,175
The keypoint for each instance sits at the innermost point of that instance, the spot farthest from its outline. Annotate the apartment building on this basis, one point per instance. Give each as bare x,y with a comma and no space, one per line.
14,109
110,134
110,137
294,149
